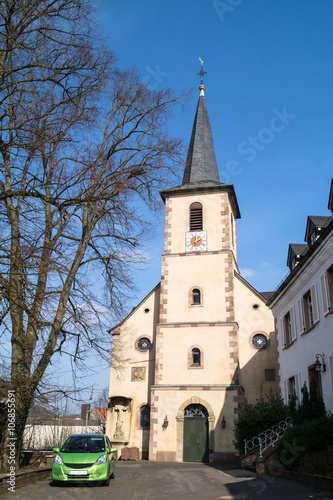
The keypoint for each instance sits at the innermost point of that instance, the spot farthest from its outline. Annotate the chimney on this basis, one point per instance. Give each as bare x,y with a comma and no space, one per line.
84,409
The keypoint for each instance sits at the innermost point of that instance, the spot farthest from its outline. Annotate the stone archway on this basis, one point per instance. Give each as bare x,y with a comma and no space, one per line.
180,426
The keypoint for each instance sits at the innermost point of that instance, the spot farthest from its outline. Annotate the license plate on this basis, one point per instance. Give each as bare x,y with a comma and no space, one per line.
77,473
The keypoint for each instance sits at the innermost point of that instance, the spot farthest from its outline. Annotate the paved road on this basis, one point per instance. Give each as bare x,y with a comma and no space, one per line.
183,481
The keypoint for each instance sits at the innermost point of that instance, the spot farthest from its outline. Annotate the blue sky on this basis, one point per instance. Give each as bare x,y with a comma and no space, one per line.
269,94
263,58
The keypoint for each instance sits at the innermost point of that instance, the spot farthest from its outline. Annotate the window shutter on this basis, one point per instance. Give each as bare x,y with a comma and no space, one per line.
286,391
301,315
314,303
331,369
324,293
293,324
329,283
297,387
283,333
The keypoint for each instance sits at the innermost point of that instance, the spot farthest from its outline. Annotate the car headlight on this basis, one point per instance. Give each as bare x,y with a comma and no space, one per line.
58,460
101,460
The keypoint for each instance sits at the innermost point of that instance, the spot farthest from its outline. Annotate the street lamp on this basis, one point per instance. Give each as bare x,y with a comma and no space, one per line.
319,365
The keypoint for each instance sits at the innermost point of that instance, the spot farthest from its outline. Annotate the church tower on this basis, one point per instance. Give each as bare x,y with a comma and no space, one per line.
210,334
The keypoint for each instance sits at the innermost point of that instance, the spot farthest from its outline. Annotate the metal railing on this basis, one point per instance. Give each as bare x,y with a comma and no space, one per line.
268,438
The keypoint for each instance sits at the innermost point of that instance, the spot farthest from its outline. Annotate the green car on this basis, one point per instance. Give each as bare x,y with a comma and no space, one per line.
84,457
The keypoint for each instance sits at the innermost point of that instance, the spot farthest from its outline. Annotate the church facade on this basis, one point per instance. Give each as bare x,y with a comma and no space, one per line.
203,340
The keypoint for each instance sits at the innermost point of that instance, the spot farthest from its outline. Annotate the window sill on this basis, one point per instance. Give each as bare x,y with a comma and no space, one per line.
309,330
312,327
289,345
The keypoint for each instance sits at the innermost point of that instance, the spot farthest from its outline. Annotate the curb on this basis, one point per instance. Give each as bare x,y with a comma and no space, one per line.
318,482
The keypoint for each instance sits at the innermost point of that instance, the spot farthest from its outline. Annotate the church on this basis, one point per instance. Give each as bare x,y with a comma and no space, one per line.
202,341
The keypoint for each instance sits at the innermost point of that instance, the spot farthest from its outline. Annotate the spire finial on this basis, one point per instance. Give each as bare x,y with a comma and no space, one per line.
202,73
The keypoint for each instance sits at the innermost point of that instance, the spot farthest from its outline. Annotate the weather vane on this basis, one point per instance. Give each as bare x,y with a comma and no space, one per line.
202,72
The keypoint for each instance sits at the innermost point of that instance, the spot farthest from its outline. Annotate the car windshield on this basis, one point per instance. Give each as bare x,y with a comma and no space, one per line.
84,444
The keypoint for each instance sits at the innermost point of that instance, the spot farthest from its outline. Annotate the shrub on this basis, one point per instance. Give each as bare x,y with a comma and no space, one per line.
256,418
320,463
300,444
311,407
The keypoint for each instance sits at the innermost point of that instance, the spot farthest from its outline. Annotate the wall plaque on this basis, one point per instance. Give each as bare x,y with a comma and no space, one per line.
138,373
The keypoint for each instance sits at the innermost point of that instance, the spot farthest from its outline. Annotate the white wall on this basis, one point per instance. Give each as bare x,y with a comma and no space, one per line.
48,436
295,360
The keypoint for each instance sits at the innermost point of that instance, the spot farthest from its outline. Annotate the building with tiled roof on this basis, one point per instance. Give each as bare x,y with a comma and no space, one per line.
302,307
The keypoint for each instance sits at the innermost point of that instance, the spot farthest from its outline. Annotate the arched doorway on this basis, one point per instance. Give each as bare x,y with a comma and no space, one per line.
196,435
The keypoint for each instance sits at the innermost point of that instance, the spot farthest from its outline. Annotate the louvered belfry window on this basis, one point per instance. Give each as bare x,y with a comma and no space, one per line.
196,217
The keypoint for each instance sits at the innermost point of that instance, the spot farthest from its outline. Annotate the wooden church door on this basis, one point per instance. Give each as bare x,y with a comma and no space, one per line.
196,440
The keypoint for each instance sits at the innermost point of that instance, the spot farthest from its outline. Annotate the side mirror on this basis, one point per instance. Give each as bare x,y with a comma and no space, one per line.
113,450
56,450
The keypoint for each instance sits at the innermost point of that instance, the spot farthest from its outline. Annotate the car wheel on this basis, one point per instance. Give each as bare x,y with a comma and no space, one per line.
55,483
107,482
112,475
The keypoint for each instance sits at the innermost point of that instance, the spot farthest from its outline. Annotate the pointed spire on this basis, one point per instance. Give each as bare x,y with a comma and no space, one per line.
201,162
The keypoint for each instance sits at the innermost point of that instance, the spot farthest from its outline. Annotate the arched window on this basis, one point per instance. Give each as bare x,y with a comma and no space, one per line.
196,357
196,296
144,417
196,217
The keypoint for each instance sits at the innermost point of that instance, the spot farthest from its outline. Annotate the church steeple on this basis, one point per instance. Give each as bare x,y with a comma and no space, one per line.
201,162
201,172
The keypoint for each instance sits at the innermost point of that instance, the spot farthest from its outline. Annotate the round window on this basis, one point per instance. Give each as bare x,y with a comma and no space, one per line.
259,341
144,344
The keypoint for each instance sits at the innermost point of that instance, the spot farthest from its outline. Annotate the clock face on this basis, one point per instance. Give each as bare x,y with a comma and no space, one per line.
196,240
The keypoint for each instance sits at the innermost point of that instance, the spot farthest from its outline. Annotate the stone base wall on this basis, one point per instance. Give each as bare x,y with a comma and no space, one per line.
224,457
165,456
130,453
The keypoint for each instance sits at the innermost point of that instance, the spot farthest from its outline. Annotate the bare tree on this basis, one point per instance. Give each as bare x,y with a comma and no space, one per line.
83,148
103,400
